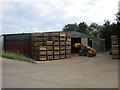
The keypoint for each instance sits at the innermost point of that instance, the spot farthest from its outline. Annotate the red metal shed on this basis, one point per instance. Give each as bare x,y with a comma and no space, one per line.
18,43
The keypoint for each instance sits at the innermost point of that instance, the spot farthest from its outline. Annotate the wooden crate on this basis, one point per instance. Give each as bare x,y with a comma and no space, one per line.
114,42
115,39
56,33
69,39
56,38
49,47
62,34
68,47
68,43
42,58
45,38
49,52
49,43
45,34
62,52
50,34
44,43
62,38
115,57
56,43
36,34
56,48
68,51
115,52
49,57
50,38
56,52
62,47
62,57
114,47
36,48
43,53
56,57
62,43
43,48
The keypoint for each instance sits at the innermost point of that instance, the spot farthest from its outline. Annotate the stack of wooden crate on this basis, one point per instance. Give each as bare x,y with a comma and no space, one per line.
38,47
62,45
115,46
68,46
49,46
50,50
56,39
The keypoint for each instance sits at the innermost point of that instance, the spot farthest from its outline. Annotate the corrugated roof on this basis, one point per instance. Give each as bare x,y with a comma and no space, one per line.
81,35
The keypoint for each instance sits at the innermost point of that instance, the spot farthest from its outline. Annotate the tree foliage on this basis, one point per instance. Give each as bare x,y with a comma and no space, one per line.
101,31
82,27
118,17
94,29
70,27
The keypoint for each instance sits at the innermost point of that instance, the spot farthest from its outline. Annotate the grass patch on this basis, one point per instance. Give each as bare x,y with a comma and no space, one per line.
17,57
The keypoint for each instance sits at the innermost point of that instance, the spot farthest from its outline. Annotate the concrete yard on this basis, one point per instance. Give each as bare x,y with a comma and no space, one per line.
77,72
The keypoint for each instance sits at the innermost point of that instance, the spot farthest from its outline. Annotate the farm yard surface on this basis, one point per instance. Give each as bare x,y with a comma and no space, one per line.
77,72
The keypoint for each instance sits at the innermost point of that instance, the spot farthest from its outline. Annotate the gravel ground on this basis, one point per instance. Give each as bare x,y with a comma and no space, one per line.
77,72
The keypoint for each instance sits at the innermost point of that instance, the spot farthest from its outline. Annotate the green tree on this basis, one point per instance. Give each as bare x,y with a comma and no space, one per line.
82,27
94,29
118,18
70,27
106,34
107,31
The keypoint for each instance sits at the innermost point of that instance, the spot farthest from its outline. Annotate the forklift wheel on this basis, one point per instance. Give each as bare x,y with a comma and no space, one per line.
89,54
80,53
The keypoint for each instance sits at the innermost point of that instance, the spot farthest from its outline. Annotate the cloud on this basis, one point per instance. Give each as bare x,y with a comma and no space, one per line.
6,6
52,15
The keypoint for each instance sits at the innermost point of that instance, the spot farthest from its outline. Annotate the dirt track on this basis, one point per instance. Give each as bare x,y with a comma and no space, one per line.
78,72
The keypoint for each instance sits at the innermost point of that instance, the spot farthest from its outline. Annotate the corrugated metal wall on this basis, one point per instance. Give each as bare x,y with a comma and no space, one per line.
98,45
18,43
18,46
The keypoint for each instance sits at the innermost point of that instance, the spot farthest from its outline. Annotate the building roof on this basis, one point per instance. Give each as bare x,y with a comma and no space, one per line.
75,34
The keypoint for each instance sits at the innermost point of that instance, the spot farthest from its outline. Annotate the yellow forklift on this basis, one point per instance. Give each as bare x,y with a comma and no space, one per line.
85,50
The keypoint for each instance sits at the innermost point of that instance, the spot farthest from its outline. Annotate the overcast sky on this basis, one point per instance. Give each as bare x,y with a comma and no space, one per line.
24,16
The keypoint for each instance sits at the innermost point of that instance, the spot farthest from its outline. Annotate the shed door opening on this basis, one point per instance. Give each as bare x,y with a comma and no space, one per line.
73,41
89,42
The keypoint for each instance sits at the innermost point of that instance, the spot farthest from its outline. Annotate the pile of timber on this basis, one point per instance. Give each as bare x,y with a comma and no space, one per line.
115,46
51,46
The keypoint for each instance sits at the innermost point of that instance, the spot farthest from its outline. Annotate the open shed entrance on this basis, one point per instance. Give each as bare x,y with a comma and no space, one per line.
89,42
73,41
